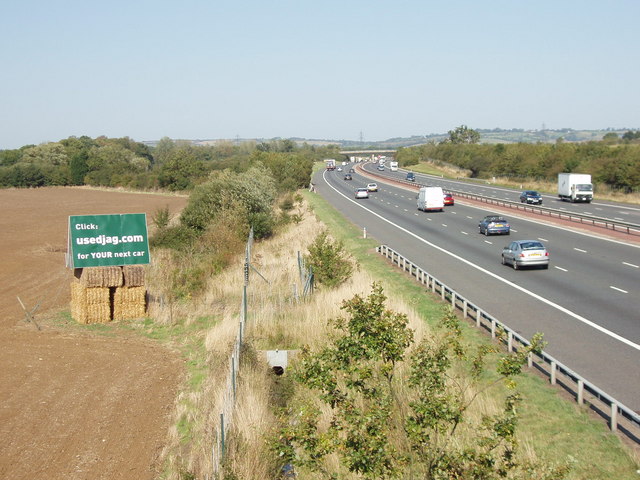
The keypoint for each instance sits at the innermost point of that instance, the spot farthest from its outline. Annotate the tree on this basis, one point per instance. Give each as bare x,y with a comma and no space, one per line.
329,261
463,134
384,421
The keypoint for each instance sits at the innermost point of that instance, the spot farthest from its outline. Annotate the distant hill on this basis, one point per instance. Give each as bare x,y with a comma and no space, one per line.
496,135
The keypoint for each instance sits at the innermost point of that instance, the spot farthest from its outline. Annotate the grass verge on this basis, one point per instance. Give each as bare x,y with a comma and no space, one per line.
552,427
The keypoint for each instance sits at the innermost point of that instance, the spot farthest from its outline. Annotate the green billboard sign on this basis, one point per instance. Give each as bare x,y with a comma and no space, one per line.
108,240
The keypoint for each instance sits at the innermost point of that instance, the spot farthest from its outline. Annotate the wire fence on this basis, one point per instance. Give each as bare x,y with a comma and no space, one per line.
225,421
618,416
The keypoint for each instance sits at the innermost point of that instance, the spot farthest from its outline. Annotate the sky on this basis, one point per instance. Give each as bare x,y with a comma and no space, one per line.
318,69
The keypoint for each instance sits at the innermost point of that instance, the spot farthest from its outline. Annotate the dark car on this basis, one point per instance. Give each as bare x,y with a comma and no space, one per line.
411,177
347,176
531,196
525,253
494,225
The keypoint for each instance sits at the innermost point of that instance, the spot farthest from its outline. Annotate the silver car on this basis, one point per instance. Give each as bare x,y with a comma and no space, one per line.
525,253
362,193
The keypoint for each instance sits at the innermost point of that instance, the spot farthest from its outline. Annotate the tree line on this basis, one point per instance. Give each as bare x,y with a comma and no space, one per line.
611,163
170,165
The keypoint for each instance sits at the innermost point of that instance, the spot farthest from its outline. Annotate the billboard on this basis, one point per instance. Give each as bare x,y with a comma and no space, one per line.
108,240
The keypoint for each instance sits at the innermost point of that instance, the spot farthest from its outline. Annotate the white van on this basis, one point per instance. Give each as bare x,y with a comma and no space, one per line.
430,199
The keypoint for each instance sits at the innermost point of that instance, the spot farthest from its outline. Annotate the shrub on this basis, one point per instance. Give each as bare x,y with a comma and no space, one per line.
329,260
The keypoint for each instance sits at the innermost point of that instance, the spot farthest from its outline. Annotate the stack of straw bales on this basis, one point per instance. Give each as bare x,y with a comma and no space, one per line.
129,301
103,294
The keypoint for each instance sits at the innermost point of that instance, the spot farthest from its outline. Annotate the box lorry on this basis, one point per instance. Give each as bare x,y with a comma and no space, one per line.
393,166
330,163
431,199
575,187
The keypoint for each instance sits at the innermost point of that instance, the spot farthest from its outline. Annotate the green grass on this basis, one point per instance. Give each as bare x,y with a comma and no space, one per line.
558,429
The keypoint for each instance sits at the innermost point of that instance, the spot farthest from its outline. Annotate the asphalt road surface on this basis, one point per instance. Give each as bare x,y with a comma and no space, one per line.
587,303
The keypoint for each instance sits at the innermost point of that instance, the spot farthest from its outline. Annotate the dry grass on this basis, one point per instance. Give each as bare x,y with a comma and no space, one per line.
276,321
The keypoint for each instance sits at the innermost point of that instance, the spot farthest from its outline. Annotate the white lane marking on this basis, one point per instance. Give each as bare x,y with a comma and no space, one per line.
579,250
464,233
444,224
631,265
599,208
405,210
542,239
487,241
618,289
469,217
514,231
493,275
560,268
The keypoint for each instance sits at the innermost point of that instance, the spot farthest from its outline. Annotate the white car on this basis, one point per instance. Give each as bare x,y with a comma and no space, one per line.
372,187
362,193
339,169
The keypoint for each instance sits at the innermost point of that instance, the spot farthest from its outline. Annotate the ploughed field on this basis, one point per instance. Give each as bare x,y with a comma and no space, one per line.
73,405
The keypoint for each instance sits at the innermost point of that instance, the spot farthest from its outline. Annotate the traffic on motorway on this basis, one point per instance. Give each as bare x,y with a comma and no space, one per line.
597,208
582,292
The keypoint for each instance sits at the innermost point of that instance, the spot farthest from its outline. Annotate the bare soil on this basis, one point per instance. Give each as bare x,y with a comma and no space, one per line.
73,404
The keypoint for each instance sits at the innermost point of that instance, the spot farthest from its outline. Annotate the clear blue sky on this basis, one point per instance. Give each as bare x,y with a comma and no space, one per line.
315,69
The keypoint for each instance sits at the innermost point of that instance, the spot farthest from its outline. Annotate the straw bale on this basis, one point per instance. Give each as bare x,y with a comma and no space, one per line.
79,311
97,296
129,303
78,292
98,313
129,311
130,295
133,275
102,277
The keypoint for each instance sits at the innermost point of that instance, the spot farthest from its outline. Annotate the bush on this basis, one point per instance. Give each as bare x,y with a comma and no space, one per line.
175,238
329,260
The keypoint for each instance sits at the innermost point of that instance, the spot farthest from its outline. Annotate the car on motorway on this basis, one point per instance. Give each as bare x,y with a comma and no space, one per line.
339,169
525,253
381,168
352,170
531,196
494,225
411,177
362,193
347,176
372,187
448,199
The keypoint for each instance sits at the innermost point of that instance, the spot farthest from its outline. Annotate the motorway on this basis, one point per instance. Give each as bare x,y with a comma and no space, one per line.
597,208
587,303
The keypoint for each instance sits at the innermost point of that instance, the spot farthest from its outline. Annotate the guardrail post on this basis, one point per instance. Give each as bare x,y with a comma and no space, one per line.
510,342
464,308
433,284
442,292
493,328
530,360
478,317
553,373
580,391
453,300
614,417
